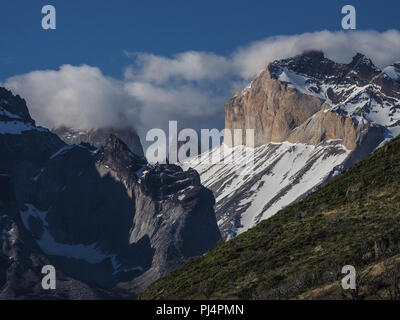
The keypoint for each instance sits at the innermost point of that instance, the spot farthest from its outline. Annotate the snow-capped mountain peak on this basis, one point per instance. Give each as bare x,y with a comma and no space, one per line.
358,90
312,118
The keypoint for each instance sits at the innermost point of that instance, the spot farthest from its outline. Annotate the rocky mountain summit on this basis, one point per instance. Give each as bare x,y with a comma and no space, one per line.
106,219
311,99
312,118
98,137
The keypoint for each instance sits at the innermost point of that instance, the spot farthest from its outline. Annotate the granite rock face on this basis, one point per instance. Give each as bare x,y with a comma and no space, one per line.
271,108
326,125
106,219
172,201
311,99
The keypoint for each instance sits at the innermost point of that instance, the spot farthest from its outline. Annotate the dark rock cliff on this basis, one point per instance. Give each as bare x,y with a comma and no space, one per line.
106,219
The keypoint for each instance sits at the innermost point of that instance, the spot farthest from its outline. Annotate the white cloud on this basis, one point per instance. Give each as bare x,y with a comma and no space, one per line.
78,97
188,66
190,87
192,106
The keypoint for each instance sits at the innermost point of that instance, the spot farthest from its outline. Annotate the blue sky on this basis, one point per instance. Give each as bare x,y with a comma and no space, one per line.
142,63
96,32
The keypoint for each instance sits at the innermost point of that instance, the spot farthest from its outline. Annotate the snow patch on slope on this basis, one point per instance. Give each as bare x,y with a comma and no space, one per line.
67,148
279,174
17,127
9,115
362,101
88,253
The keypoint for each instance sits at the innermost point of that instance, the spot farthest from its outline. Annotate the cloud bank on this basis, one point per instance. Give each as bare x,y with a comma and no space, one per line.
79,97
190,87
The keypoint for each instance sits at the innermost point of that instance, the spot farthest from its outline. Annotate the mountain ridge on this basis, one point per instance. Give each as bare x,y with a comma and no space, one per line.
97,137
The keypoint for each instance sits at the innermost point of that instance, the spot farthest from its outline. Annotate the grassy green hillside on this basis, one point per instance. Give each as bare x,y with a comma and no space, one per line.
299,253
